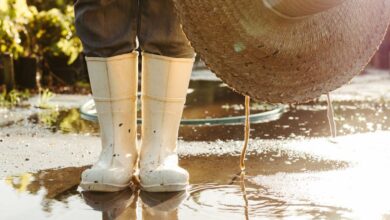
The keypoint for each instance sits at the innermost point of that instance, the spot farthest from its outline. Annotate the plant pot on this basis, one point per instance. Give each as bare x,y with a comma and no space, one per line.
67,73
7,76
25,72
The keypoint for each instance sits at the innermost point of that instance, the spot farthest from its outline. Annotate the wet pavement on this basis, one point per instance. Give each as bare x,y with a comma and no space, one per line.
313,179
294,170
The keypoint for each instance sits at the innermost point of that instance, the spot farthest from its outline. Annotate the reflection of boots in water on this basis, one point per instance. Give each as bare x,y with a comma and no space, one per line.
115,205
161,206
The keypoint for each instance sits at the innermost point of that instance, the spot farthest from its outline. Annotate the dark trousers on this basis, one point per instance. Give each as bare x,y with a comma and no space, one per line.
113,27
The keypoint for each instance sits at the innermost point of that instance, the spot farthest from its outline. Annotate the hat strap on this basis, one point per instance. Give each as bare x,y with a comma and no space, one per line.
296,9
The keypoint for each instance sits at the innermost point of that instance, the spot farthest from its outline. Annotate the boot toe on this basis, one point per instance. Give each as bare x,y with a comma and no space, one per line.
105,179
167,179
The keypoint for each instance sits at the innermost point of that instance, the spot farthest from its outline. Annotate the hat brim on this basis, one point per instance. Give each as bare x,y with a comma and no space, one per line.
279,60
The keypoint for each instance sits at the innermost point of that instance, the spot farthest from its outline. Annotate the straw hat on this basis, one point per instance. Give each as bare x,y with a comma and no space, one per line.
272,54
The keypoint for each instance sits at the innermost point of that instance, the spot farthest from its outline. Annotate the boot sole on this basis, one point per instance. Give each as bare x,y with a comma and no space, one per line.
165,188
101,187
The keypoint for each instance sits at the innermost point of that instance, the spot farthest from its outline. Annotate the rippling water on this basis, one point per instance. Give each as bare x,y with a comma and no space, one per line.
313,179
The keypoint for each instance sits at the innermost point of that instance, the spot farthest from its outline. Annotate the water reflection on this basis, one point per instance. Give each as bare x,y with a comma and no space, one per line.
296,122
49,188
54,193
300,182
65,121
115,205
244,194
58,184
228,202
123,205
212,99
160,206
301,121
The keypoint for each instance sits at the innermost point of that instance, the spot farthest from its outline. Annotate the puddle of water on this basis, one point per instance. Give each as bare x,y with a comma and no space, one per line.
212,99
305,120
54,194
65,121
279,184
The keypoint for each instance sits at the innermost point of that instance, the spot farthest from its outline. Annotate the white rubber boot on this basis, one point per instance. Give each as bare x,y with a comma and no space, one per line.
114,83
164,88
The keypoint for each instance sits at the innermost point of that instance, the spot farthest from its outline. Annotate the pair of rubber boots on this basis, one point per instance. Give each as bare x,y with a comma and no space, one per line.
114,83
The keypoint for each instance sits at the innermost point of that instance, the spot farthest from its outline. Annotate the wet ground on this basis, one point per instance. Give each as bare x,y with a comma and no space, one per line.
293,169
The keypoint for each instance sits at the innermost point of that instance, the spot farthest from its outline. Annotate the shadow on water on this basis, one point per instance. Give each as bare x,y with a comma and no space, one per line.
216,192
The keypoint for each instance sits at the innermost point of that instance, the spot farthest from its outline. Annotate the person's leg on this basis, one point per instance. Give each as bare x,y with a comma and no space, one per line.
167,64
107,29
160,31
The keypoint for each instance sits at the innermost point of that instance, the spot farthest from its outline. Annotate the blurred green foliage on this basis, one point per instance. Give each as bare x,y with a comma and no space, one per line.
11,23
45,5
14,98
45,95
37,31
9,38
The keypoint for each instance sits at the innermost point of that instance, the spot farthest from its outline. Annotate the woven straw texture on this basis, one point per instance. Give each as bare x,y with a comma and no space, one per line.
279,60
